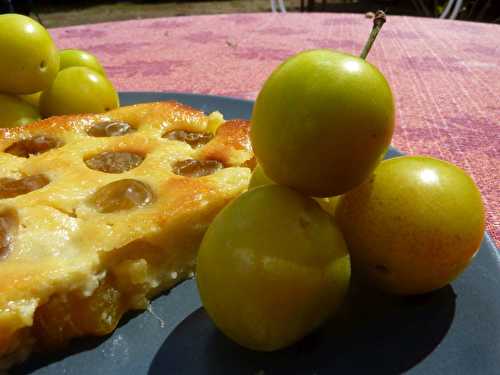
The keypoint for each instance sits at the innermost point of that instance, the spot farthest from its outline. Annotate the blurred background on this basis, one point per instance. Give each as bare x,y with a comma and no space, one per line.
54,13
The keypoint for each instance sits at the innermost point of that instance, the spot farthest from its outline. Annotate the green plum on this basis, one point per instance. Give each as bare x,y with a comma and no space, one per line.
414,226
259,178
329,204
78,90
33,99
29,61
322,121
271,268
76,57
16,112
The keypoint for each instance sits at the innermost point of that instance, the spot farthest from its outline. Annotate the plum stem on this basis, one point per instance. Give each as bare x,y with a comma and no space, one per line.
378,22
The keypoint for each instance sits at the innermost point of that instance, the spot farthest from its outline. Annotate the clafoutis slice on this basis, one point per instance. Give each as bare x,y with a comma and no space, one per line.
99,213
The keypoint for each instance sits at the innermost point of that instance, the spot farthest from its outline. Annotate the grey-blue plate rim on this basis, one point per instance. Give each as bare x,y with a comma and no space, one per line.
455,330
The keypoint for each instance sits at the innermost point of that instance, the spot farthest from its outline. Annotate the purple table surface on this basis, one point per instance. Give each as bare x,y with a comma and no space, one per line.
445,75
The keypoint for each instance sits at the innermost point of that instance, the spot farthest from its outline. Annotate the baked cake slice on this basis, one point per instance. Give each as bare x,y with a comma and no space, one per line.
98,213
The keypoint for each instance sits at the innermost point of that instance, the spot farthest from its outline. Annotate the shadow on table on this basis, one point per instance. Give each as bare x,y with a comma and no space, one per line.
372,333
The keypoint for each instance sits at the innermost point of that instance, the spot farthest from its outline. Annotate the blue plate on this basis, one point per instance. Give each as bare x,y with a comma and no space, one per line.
455,330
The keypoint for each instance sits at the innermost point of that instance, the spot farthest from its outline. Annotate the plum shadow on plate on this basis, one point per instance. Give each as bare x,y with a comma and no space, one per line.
372,333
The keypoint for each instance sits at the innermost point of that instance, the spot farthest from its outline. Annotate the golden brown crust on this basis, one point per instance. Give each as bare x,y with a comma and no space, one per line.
172,114
63,244
231,144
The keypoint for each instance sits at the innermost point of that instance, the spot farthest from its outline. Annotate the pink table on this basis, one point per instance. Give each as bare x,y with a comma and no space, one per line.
445,74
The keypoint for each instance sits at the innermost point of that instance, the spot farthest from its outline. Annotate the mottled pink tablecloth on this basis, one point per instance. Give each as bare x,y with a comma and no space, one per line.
445,74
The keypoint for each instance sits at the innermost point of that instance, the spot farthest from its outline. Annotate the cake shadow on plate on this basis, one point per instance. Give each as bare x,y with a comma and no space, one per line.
372,333
40,360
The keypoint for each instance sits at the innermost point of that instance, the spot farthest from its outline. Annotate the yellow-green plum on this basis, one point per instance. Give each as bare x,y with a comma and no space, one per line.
412,227
29,61
78,90
33,99
16,112
321,122
259,178
329,204
271,268
76,57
